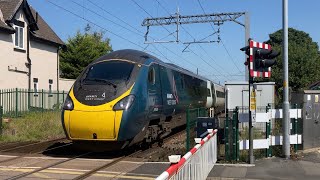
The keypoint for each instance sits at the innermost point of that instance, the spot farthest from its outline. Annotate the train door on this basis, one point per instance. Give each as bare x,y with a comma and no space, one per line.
169,94
155,105
209,95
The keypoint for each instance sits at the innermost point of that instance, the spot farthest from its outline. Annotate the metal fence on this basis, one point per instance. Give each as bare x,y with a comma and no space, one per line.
192,115
236,132
16,102
197,163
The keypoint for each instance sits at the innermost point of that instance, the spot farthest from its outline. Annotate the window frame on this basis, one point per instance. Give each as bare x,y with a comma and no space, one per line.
50,88
35,87
18,34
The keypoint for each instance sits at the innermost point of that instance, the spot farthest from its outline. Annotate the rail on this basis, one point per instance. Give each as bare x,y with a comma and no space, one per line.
197,163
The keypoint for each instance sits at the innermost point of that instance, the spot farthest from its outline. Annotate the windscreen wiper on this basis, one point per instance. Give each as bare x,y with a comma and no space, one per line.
101,80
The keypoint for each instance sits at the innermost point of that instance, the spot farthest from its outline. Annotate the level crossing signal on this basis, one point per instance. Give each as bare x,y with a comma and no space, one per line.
261,58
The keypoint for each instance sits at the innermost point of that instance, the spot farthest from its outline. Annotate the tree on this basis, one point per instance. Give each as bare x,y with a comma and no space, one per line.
81,50
303,57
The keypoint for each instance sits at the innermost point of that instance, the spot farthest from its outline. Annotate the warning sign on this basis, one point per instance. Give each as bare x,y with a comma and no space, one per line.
253,100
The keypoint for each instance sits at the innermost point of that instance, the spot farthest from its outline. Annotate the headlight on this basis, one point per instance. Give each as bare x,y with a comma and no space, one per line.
68,104
124,103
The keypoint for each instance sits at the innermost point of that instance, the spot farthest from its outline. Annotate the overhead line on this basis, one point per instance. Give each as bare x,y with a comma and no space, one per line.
173,35
136,32
198,44
162,25
221,40
85,19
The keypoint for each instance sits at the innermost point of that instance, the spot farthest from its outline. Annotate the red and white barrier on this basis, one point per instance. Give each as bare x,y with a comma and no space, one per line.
197,163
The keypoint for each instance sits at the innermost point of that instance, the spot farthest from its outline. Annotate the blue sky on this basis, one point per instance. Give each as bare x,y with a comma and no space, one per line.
219,62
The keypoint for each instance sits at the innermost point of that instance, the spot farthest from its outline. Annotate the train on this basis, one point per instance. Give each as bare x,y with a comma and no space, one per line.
130,97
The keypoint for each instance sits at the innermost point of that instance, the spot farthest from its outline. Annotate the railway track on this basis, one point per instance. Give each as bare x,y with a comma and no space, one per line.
25,155
156,151
93,171
154,147
144,154
46,167
17,146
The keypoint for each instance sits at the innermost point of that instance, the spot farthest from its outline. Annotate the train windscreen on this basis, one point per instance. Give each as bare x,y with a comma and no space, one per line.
114,71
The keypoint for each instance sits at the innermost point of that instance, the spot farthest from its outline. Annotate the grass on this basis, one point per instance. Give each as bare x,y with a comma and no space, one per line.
33,126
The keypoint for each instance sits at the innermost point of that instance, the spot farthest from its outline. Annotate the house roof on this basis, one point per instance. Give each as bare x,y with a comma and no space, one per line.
40,31
45,32
3,25
9,8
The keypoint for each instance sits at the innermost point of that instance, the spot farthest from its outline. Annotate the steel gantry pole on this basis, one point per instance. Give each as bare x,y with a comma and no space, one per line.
250,82
286,112
247,36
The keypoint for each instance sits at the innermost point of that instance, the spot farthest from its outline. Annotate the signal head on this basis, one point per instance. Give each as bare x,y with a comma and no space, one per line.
246,49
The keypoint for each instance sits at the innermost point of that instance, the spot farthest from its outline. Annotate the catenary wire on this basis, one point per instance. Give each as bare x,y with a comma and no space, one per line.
220,40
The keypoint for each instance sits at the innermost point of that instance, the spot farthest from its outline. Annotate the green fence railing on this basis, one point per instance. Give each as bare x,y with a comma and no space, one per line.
16,102
1,114
192,115
231,135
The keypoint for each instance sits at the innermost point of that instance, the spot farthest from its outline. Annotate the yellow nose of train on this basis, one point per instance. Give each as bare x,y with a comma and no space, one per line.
86,122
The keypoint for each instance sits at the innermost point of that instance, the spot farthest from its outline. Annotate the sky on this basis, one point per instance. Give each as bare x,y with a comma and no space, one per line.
121,21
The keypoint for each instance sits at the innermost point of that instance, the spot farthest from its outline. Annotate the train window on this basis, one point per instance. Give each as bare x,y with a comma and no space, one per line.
116,71
208,92
151,76
220,94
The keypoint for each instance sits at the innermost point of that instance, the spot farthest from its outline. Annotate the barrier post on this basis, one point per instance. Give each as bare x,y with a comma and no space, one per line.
268,133
295,126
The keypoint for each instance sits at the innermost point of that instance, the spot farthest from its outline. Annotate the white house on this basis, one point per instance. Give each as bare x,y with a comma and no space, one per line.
29,49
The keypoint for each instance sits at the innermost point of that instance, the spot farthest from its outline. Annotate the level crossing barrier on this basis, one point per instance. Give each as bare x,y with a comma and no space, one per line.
197,163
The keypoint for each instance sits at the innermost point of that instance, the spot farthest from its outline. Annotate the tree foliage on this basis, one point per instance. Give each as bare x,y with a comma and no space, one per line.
81,50
303,57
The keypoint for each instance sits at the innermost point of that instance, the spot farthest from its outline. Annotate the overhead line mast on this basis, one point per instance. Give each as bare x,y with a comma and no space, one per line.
215,18
177,19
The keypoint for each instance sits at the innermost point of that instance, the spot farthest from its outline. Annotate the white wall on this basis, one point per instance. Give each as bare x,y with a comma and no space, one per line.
65,84
43,59
44,64
237,94
14,60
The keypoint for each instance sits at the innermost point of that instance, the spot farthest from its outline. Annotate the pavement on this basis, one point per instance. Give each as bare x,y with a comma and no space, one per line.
306,166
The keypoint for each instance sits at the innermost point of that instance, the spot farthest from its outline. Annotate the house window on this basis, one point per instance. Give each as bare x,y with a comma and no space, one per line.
35,86
50,87
18,37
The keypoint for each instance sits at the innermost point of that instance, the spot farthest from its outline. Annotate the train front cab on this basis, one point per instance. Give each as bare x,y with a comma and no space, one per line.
94,108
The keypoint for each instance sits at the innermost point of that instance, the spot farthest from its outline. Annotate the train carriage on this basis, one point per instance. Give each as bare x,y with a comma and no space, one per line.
128,97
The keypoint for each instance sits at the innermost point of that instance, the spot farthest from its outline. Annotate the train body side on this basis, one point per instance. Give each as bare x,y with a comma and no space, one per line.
159,95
